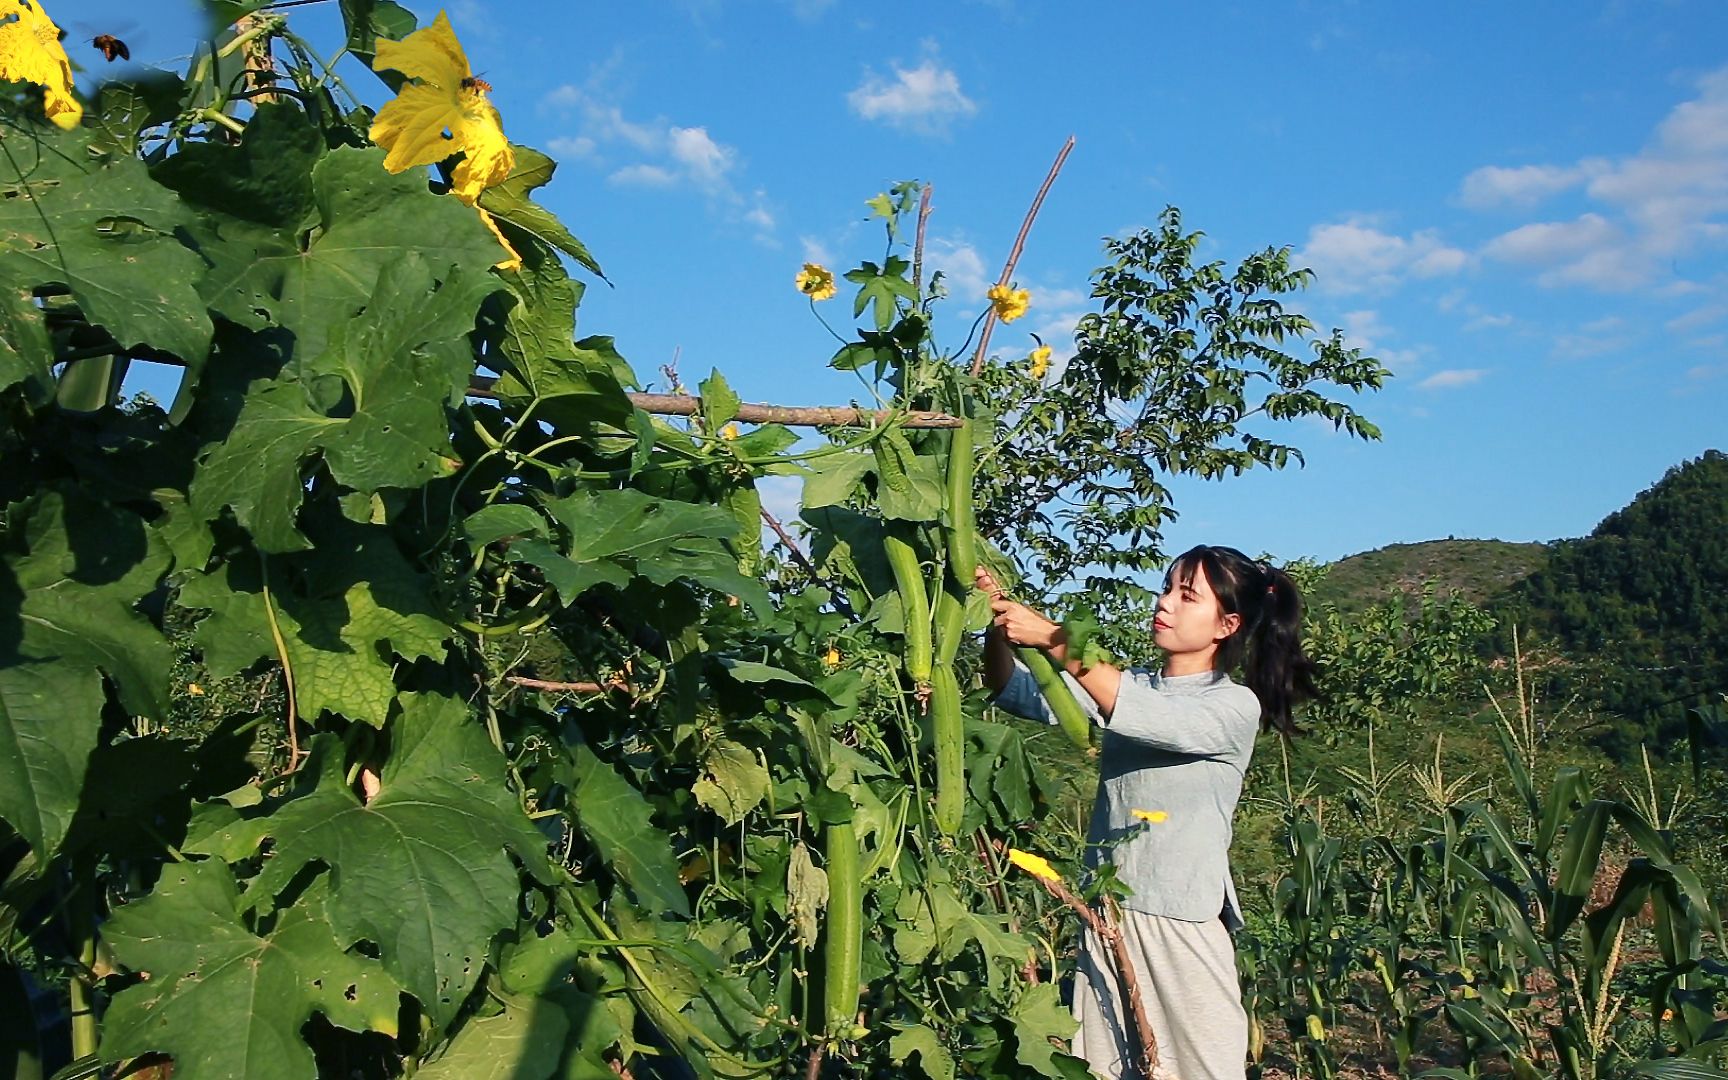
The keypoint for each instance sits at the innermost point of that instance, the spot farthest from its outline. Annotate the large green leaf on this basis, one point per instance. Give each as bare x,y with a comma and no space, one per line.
617,819
369,20
934,1060
524,1042
510,202
226,1002
314,275
67,593
372,405
1579,857
1038,1017
614,536
265,179
105,230
344,623
423,870
25,351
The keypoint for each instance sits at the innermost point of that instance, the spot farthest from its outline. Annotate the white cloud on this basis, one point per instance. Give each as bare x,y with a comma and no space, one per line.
925,99
1355,256
1546,242
1647,210
572,146
962,271
1364,330
1452,378
1605,335
653,153
703,159
643,176
1490,322
816,251
1524,185
1700,317
781,496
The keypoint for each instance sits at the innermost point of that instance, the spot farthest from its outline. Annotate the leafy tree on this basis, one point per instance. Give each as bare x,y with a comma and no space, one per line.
1185,368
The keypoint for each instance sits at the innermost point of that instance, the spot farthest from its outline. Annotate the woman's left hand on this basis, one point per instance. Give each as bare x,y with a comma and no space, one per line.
1022,625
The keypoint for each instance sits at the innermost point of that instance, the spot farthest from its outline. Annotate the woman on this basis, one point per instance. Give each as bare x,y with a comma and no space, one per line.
1176,745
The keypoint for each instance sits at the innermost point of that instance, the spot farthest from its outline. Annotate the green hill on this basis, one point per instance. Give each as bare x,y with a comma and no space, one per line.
1479,569
1642,603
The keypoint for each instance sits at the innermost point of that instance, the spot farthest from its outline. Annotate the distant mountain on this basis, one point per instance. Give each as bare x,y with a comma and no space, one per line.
1642,601
1479,569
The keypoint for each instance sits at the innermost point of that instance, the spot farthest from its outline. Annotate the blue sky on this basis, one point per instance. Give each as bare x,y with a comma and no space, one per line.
1521,208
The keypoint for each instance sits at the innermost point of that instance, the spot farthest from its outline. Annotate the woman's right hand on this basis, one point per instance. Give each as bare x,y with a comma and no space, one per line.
1019,623
983,579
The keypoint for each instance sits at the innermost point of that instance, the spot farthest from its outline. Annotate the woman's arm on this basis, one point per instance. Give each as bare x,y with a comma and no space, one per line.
1018,624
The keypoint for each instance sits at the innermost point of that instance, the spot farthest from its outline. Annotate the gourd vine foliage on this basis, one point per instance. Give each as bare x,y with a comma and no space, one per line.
354,723
273,801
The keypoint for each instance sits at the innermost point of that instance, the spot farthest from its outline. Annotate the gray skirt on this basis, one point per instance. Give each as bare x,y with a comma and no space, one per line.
1187,976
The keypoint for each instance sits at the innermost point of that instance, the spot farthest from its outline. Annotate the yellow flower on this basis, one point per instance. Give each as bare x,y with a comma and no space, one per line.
1036,865
816,281
443,96
30,51
1156,817
1009,303
194,689
729,432
1040,361
831,657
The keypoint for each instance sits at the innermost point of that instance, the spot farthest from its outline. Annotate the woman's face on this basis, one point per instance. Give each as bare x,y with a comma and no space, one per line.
1189,619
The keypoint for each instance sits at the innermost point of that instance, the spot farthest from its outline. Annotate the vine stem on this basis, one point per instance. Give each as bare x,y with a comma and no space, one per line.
1014,254
287,666
81,914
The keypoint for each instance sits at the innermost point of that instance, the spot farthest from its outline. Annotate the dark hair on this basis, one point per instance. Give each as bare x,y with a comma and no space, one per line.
1268,643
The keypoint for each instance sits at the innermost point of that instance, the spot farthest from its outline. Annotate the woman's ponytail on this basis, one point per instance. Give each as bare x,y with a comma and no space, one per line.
1275,667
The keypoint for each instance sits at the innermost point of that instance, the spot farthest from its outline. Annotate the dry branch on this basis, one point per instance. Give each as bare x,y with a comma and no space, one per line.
1146,1048
482,386
1014,255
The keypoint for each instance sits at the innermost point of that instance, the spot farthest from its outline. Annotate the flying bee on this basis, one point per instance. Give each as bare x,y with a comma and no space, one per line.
111,47
475,82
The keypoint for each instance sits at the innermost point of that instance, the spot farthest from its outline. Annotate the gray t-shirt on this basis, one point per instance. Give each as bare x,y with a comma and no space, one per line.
1176,747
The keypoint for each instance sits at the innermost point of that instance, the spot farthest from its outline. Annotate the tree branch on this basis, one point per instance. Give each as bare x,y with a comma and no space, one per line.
1014,255
482,386
1146,1049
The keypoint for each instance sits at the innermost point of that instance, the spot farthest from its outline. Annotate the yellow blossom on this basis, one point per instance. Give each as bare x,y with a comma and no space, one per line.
194,689
1156,817
1040,361
729,432
831,657
816,281
30,51
1036,865
1009,303
443,96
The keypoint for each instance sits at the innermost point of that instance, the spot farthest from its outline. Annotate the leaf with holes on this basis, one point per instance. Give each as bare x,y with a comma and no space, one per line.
372,407
105,230
225,1002
423,870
